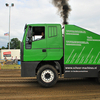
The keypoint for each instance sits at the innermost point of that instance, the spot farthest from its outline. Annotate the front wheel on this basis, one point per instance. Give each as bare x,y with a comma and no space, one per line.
47,76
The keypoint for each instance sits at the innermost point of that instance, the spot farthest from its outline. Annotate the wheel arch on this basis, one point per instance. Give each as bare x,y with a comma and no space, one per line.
55,64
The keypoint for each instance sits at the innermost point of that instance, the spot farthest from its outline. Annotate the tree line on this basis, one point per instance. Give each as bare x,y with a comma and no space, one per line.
14,44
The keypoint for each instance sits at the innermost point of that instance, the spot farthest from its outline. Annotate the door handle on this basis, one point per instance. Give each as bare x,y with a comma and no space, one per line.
43,50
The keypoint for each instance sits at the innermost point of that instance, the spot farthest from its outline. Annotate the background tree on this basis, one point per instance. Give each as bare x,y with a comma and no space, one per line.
3,47
14,44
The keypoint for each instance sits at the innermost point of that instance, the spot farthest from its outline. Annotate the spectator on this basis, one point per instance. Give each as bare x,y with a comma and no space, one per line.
16,60
5,59
12,59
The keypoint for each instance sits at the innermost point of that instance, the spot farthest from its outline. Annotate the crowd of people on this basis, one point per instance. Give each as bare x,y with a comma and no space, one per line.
12,59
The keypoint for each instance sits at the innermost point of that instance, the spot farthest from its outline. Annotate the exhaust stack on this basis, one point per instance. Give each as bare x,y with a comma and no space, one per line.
63,9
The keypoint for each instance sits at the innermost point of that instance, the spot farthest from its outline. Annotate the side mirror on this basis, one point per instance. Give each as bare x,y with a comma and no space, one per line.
29,32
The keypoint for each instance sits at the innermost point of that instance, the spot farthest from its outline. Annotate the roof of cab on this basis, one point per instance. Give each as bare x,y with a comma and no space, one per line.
43,24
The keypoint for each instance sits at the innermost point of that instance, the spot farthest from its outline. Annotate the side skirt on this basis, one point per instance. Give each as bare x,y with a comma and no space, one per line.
80,71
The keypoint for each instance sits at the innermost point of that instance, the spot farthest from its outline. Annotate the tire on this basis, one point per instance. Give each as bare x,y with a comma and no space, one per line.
47,76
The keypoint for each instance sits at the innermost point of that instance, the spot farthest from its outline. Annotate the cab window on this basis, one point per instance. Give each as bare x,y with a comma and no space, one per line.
38,33
34,34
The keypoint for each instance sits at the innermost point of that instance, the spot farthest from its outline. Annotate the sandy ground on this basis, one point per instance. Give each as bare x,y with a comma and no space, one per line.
15,87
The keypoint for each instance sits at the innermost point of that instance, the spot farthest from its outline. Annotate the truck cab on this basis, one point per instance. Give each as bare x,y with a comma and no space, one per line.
42,45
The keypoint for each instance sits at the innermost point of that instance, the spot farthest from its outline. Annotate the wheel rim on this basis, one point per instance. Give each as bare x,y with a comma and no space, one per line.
47,76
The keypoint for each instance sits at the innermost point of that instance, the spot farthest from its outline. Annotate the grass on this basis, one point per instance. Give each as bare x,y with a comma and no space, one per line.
14,66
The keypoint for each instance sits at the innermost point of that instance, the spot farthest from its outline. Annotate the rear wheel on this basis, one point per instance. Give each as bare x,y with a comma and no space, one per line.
47,76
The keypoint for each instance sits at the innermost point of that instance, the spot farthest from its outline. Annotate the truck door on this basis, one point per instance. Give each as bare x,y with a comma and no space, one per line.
35,46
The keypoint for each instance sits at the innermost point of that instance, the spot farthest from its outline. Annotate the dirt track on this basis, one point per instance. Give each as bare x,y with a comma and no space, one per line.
15,87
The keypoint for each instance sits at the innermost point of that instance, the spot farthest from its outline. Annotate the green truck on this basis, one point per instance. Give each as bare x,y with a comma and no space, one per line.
46,53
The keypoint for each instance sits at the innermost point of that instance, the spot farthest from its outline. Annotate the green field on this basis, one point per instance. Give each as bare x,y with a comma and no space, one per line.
10,66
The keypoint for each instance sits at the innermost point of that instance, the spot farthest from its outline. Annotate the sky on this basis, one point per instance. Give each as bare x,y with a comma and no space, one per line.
84,13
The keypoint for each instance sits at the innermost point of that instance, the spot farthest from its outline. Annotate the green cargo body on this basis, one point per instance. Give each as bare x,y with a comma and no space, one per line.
81,52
